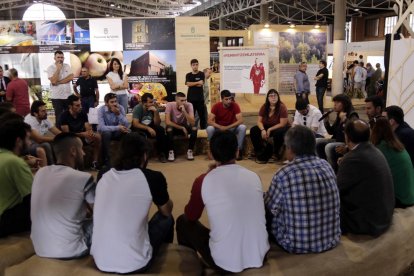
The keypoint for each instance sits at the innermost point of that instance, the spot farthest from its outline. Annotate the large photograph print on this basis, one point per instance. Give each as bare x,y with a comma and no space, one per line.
148,34
18,37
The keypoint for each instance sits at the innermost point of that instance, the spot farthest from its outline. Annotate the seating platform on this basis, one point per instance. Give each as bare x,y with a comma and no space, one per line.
388,255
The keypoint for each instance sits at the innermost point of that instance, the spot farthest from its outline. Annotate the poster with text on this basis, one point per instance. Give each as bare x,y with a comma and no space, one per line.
81,31
106,34
153,71
148,34
245,70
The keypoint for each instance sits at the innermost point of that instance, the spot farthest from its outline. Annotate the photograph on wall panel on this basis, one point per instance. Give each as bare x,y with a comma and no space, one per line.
148,34
152,72
296,47
18,37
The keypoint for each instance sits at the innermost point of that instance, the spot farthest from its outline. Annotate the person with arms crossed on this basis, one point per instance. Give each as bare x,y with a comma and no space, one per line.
195,81
89,92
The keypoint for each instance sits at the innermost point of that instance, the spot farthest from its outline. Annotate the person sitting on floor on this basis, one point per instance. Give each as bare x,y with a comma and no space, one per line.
113,124
179,119
309,116
398,160
62,196
401,128
374,106
75,120
15,177
303,198
272,123
365,184
123,239
238,239
146,119
43,133
226,115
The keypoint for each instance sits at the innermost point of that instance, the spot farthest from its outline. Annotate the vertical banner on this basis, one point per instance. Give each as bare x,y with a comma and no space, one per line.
106,34
244,70
192,38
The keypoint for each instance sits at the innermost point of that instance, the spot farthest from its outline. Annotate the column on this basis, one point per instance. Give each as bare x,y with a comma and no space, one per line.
338,47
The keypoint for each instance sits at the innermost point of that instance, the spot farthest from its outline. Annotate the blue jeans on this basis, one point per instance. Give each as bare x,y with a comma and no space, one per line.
87,102
320,92
123,100
240,132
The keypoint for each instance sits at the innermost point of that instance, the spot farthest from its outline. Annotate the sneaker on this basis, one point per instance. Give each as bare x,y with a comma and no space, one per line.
190,155
171,156
95,166
162,158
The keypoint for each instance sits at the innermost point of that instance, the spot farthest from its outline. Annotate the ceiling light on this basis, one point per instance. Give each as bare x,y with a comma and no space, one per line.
266,25
292,25
118,6
107,15
356,9
317,26
112,4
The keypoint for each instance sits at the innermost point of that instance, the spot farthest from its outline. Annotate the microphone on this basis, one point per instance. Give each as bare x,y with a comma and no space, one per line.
326,114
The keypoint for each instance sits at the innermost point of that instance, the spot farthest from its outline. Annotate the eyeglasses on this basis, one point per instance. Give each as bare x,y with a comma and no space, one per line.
304,120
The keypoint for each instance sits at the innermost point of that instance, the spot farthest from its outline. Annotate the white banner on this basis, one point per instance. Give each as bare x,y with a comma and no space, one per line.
106,34
244,70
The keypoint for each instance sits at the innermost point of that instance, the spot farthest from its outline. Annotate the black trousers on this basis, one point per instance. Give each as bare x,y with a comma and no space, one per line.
16,219
262,148
171,132
200,108
160,137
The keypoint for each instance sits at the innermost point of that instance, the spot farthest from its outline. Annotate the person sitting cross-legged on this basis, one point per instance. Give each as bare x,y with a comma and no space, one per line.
146,119
233,198
226,115
123,239
113,124
62,196
179,119
75,120
303,198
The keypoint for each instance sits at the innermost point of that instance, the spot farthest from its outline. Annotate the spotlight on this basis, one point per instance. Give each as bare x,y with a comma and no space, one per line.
317,26
118,6
292,25
112,5
266,25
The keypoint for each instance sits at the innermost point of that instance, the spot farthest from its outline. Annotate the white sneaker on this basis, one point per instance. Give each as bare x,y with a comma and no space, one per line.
171,156
190,155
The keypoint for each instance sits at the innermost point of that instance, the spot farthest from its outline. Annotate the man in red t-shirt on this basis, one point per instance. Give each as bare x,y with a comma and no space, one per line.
226,115
18,93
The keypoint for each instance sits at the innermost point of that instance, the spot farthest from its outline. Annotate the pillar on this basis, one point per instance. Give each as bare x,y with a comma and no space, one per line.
339,47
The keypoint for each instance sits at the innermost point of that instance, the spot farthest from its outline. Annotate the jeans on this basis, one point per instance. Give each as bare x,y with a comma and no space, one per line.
240,132
87,102
107,136
171,132
59,105
325,149
123,100
262,148
320,93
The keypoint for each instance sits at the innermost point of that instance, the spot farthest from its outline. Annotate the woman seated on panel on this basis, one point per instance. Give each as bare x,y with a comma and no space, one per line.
398,160
271,127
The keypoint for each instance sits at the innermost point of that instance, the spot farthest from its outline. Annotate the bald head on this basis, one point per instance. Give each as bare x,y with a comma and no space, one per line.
357,131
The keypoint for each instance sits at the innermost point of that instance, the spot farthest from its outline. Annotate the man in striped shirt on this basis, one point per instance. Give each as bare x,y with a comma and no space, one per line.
303,198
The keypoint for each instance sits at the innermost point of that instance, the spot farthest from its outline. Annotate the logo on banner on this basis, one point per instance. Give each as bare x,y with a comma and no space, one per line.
106,31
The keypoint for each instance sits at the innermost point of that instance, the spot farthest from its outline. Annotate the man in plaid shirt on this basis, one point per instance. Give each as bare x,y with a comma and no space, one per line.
303,198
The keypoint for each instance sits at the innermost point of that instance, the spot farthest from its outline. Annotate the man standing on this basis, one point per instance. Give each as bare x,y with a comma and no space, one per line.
146,119
301,82
238,237
113,124
376,76
195,81
18,93
257,76
62,195
124,240
60,76
179,119
4,81
40,135
15,177
401,128
321,83
309,116
365,184
374,106
226,115
89,93
303,198
76,121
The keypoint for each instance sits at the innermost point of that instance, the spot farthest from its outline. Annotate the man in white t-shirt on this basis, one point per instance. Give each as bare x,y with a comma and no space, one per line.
60,76
233,198
62,196
43,133
309,116
123,240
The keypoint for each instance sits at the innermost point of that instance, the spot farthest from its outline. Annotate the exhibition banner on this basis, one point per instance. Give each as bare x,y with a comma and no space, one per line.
106,34
244,70
18,37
